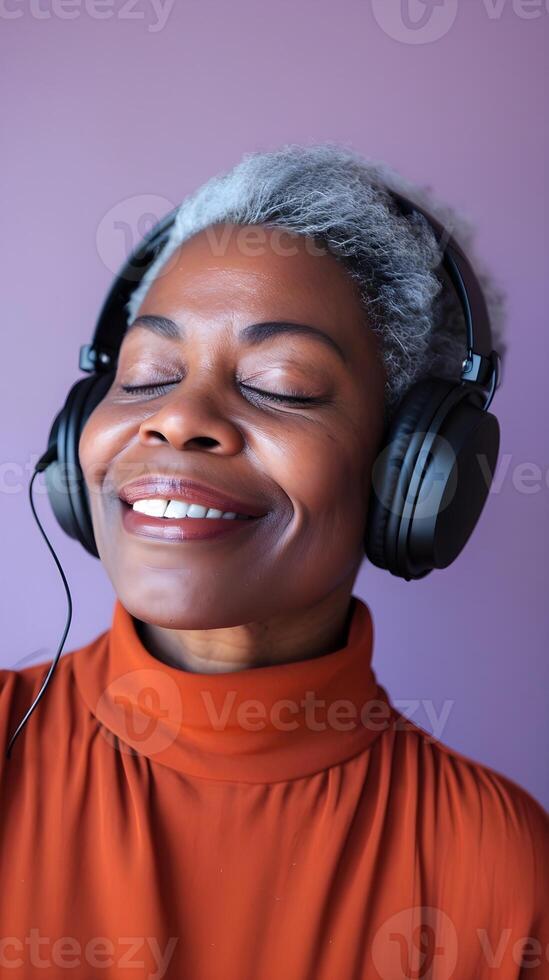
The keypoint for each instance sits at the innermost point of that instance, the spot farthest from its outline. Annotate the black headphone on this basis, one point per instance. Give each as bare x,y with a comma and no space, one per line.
428,488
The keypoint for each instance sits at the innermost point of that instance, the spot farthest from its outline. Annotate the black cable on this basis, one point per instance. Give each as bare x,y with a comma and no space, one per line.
41,465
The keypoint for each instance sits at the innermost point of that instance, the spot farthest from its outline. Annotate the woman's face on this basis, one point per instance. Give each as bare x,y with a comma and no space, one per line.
306,466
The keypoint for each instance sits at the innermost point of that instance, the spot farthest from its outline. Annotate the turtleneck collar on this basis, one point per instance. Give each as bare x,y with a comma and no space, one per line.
261,724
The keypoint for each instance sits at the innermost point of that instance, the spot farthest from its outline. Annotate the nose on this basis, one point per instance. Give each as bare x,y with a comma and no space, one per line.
192,419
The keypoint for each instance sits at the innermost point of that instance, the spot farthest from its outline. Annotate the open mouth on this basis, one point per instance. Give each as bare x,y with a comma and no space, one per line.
173,510
159,519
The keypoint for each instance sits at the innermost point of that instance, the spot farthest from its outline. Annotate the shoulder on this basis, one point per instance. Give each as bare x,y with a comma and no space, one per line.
484,797
54,714
18,688
481,817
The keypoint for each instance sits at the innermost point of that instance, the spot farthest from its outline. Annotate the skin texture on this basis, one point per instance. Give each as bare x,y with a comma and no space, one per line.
281,591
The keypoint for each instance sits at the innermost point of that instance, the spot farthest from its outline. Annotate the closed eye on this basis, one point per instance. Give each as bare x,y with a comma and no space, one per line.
292,397
147,389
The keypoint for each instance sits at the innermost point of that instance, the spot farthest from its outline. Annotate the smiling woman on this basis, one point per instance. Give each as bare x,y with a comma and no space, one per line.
235,784
242,372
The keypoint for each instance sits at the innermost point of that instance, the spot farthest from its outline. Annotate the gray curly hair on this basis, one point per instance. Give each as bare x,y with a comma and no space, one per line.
331,192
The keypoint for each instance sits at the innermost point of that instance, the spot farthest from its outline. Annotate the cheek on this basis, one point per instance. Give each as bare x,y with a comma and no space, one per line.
99,442
322,472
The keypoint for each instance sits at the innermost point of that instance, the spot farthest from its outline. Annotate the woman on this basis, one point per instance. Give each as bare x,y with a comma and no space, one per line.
217,787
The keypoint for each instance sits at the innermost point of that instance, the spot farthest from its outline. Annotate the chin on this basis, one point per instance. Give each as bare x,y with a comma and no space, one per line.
188,608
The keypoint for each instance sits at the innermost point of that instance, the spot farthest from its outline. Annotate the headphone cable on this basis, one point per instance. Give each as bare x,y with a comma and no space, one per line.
49,457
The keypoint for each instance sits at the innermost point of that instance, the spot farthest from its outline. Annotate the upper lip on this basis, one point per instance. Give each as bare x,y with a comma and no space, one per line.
171,487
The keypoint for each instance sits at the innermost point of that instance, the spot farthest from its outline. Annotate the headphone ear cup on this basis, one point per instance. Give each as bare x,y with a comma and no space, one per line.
449,495
431,480
388,466
65,481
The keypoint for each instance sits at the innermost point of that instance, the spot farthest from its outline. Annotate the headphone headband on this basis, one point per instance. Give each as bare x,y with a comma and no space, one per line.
481,365
100,356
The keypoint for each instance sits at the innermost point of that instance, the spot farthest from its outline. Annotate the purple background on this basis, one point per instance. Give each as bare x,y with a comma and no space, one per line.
108,121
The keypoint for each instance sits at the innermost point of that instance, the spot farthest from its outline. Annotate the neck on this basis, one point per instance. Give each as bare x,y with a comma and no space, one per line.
300,634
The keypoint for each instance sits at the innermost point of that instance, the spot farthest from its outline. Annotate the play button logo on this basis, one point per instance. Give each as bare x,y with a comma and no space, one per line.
415,21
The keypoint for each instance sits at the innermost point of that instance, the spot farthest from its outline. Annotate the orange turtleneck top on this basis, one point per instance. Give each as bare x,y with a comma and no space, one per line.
284,822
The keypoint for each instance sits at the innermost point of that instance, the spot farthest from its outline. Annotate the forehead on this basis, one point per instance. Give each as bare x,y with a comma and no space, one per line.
247,266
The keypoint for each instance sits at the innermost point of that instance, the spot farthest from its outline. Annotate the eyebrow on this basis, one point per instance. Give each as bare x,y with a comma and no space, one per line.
254,334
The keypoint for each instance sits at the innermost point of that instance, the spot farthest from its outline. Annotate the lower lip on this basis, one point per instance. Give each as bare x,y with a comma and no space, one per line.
181,528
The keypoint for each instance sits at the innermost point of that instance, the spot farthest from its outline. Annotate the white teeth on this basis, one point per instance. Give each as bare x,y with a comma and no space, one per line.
196,510
176,508
156,507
